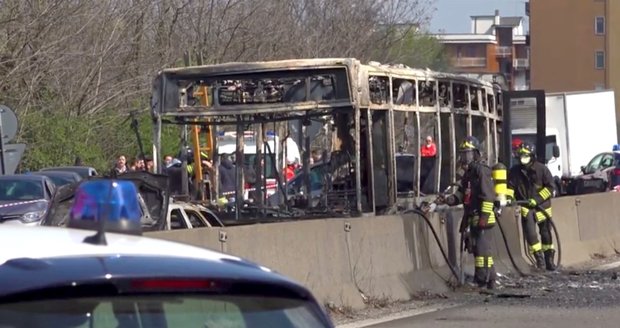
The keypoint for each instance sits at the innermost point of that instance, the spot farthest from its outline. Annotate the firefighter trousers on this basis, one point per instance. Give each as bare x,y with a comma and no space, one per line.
484,270
529,220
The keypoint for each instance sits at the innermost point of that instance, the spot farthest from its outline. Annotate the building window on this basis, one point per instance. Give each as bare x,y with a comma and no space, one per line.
599,59
467,51
599,25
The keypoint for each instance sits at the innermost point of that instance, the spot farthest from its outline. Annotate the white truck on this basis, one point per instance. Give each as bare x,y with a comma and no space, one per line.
579,125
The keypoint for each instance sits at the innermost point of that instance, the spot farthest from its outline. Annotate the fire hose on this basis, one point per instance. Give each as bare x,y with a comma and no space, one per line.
464,246
422,213
460,274
510,256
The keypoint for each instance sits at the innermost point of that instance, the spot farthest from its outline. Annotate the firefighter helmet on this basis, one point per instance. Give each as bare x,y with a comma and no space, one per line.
469,151
526,148
526,153
470,143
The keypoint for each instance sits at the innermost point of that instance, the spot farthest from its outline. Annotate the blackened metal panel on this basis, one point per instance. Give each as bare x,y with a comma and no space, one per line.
541,122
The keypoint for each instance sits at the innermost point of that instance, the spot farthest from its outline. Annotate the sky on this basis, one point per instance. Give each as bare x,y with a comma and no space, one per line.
453,16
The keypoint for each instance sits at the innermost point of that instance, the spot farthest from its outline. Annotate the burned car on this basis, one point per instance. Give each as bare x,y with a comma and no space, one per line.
153,197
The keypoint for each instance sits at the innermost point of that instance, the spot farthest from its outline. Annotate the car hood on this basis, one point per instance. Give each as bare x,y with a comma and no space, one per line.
18,208
152,187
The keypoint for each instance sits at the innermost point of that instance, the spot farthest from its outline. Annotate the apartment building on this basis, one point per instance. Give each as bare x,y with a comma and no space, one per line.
575,45
497,47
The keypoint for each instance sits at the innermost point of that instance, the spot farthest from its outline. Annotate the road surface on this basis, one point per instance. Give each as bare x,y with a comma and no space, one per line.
513,315
588,298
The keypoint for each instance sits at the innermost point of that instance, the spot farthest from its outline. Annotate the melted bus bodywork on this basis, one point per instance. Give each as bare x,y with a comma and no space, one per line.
368,121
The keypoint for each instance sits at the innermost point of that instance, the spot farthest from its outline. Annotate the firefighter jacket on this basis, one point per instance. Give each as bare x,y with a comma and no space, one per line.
477,193
532,182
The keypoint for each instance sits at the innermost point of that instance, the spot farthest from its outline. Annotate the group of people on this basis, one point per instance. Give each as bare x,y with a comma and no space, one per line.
139,164
529,181
227,171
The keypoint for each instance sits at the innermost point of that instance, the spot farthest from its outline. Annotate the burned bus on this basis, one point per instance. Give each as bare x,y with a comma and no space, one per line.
366,122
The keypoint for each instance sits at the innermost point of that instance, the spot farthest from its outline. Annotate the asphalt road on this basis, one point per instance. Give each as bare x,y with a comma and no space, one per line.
566,299
508,316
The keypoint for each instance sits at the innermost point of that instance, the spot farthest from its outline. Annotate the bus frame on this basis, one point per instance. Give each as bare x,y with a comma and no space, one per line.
370,92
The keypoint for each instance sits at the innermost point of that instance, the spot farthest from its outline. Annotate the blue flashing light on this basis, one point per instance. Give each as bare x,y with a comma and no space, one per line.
112,204
270,133
616,147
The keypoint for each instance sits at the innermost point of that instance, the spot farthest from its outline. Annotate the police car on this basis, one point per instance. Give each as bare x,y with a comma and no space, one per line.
100,272
602,173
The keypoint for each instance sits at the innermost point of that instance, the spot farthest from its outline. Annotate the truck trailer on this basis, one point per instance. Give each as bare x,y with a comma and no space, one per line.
579,125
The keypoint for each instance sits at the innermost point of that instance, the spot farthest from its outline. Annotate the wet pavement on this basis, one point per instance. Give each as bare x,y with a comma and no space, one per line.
566,298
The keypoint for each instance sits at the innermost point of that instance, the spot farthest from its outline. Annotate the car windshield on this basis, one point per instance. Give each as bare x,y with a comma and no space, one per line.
61,180
18,189
195,311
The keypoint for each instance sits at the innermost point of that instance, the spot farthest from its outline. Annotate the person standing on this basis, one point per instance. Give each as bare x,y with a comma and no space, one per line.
429,149
476,192
531,181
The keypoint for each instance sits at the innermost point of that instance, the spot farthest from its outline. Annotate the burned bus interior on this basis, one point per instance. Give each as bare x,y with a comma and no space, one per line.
325,138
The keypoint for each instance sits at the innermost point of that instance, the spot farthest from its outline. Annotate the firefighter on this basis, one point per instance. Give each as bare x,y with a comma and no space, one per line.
531,181
476,192
189,157
190,162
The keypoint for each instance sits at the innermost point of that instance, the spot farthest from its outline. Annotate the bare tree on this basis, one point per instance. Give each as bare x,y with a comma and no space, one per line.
85,58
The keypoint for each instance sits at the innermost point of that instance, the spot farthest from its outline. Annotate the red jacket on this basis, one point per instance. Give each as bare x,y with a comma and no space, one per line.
289,172
428,151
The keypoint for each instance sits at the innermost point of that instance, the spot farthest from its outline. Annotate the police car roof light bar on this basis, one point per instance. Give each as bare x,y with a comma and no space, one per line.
99,237
106,205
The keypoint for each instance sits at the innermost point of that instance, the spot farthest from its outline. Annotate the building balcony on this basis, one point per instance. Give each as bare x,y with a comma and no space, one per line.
470,62
503,51
521,63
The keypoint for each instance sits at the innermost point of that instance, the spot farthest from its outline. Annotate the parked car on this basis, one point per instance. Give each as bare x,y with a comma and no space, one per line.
60,178
601,174
184,215
24,198
83,171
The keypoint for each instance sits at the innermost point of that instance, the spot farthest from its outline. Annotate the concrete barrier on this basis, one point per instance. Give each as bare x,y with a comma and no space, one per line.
589,225
345,261
355,261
